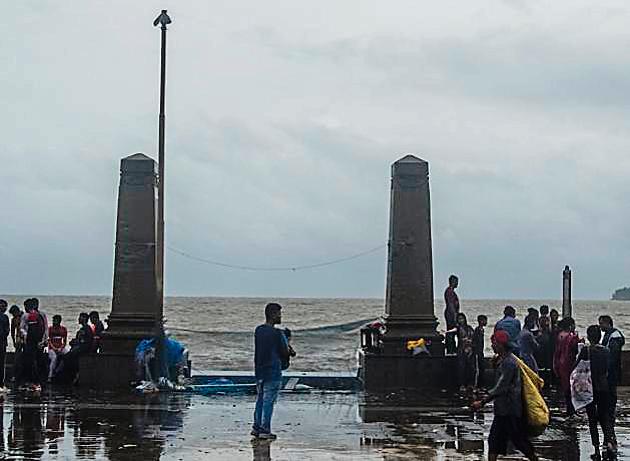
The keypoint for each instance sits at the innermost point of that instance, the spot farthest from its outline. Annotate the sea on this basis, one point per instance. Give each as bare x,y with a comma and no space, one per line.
219,331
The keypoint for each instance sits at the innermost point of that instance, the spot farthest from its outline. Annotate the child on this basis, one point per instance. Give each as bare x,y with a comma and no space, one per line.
478,347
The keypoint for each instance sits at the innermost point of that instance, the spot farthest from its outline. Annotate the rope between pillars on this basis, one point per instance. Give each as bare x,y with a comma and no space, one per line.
275,269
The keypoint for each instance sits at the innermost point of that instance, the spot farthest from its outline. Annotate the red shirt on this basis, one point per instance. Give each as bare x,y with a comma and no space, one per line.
57,337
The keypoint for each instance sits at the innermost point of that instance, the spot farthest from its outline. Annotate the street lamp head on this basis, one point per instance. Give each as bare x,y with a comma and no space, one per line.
162,19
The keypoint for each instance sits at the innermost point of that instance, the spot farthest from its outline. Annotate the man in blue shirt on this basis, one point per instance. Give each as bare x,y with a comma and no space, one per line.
511,325
270,349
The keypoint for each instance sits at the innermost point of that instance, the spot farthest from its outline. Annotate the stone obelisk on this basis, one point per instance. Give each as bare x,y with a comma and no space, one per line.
136,307
409,309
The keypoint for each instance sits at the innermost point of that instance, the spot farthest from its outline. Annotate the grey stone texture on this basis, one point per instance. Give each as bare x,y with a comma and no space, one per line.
409,309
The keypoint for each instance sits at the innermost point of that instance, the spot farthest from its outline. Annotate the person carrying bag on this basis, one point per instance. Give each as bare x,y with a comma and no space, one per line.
535,410
590,390
581,382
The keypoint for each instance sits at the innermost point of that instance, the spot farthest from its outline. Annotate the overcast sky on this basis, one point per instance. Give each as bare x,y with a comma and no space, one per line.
283,118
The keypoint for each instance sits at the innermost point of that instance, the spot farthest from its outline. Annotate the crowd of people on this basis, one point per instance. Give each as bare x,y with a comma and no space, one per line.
551,347
42,350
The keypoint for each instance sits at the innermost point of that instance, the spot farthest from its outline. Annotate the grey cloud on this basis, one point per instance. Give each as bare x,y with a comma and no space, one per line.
525,65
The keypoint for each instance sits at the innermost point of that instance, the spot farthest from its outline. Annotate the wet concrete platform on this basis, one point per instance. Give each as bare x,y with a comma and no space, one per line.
315,426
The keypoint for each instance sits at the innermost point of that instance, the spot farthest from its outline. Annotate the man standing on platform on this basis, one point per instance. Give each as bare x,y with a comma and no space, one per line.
450,313
614,341
271,349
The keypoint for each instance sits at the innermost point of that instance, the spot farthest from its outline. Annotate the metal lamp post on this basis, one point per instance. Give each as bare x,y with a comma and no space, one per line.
163,20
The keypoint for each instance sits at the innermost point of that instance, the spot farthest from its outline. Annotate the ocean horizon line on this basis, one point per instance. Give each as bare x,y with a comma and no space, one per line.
285,297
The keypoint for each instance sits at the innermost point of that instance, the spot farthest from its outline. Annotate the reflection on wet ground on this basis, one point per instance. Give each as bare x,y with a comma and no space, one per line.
316,426
84,426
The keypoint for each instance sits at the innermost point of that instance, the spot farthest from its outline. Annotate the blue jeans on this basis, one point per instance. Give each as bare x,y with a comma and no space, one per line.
267,394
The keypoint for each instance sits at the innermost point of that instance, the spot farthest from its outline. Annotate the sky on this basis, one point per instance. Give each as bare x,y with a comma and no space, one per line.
283,119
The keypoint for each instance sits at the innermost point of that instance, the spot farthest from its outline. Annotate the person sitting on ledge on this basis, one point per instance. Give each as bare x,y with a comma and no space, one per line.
57,345
97,328
80,345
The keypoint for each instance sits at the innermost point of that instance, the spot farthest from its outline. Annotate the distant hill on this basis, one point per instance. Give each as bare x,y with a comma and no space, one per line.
622,294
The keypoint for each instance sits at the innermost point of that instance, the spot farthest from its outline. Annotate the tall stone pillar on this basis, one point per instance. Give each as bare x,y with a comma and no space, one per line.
136,307
567,306
409,309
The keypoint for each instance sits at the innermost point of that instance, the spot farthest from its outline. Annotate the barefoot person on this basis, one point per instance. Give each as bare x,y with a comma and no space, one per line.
508,423
271,349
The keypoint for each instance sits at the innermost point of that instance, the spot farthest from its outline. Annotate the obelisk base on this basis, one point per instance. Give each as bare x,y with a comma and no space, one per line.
401,330
393,373
125,331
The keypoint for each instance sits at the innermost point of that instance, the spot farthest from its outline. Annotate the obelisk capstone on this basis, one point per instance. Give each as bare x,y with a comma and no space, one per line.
409,305
136,307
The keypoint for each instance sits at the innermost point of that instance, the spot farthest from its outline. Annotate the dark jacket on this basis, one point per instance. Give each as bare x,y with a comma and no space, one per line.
507,391
614,341
270,349
598,356
5,330
478,341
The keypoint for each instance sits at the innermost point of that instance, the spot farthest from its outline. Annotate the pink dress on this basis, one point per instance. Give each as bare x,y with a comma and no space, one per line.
564,358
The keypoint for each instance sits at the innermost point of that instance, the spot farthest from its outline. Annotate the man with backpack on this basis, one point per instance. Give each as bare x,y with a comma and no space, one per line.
34,329
508,424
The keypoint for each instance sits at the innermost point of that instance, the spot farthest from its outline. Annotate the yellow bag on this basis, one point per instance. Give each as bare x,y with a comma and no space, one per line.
534,406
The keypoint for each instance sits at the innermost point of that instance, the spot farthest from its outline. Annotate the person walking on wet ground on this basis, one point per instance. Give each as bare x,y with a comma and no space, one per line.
614,340
511,325
478,348
508,424
564,359
466,359
271,349
527,344
5,330
451,310
598,410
